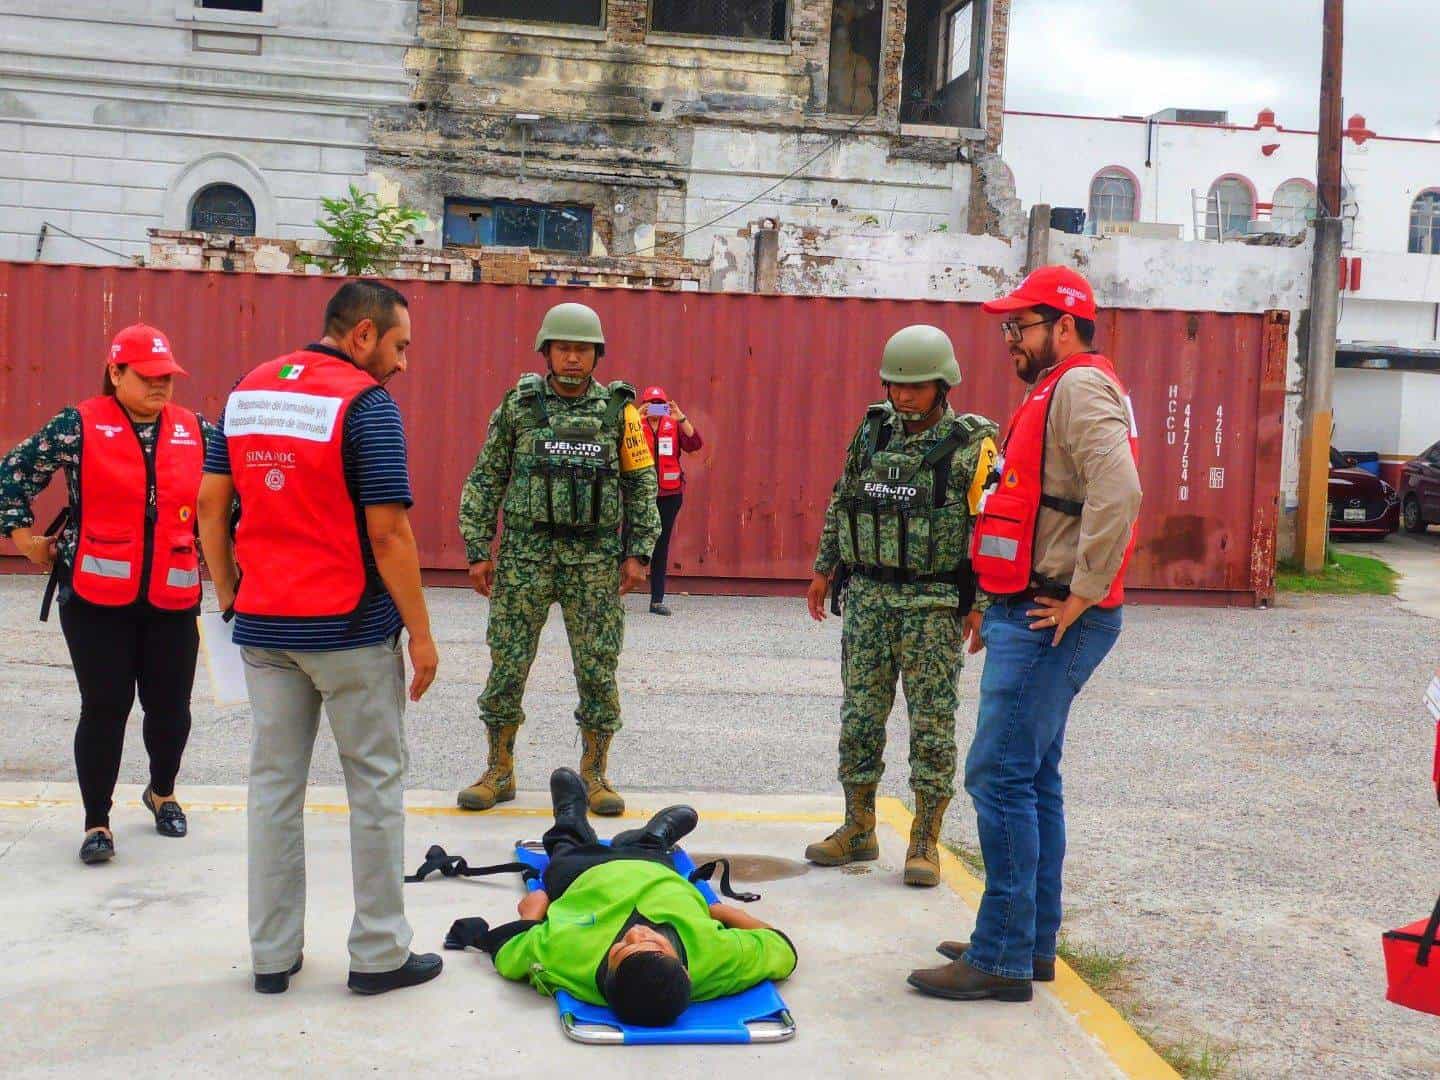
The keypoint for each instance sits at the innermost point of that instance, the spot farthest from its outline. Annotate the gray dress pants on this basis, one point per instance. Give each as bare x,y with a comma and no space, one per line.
363,691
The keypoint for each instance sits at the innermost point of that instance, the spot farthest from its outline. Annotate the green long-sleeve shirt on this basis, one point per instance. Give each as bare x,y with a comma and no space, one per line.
484,490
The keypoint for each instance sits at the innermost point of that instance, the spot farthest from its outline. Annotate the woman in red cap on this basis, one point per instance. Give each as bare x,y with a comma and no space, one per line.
124,558
670,433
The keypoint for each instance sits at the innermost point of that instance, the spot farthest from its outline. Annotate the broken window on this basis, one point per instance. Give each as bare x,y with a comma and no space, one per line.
855,28
1112,197
942,75
1294,206
510,223
1229,209
575,12
1425,224
754,20
233,5
223,208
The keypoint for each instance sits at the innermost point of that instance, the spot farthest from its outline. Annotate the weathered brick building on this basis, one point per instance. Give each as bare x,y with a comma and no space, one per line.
638,127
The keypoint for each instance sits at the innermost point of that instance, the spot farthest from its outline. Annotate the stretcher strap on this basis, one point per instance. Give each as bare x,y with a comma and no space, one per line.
706,872
1427,939
456,866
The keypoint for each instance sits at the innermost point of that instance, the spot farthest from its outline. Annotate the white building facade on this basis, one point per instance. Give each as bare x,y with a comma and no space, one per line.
226,115
1193,175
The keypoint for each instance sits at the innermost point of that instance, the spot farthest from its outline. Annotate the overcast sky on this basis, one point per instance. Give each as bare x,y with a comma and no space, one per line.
1108,57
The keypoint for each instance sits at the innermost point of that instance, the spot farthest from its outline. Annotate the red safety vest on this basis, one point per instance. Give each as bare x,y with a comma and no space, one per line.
124,552
665,449
1002,549
298,541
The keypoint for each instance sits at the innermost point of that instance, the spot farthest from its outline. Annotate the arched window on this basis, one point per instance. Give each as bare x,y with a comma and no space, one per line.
223,208
1112,197
1294,206
1229,209
1425,224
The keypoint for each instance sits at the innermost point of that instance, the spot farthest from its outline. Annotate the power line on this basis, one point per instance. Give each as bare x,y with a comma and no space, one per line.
788,176
92,243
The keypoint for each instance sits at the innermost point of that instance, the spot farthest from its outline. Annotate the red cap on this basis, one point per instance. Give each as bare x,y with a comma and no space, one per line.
146,350
653,393
1054,286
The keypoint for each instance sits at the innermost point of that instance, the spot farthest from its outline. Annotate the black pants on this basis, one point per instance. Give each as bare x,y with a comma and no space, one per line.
669,506
116,651
574,848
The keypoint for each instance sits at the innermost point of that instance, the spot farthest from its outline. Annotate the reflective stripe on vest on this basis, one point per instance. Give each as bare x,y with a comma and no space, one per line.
123,547
298,542
1003,544
665,449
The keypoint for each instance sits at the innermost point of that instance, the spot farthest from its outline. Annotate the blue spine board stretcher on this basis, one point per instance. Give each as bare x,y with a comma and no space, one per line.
757,1015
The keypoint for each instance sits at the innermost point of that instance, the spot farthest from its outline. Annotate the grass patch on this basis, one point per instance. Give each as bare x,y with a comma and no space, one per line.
1344,575
1108,974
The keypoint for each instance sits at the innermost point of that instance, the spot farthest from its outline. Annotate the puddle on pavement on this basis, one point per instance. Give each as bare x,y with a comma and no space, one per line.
756,867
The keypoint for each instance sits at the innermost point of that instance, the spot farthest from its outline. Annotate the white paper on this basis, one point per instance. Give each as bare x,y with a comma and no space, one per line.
222,657
666,446
1432,696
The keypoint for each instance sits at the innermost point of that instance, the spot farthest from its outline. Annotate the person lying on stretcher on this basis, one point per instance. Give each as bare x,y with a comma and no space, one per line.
617,925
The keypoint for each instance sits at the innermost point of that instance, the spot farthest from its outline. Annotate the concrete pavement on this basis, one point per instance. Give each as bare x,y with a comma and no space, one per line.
140,967
1416,556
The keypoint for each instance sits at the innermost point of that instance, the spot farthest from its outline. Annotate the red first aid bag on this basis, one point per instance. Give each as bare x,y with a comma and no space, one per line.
1412,964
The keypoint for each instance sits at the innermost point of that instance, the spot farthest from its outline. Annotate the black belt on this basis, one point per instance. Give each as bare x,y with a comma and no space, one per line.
890,575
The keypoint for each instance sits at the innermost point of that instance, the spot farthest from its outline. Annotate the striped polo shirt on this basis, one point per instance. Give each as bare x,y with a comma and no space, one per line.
377,472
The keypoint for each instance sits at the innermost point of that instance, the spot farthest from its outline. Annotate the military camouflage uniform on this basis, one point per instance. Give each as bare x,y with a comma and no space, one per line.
911,631
536,569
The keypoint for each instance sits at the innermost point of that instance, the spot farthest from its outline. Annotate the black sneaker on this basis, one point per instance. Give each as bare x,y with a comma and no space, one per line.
420,968
277,982
169,818
659,609
98,847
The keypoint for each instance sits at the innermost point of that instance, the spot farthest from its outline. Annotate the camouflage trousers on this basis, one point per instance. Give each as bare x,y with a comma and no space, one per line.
922,647
589,598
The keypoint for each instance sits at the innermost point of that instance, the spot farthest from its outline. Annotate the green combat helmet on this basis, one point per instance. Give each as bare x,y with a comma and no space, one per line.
920,354
571,322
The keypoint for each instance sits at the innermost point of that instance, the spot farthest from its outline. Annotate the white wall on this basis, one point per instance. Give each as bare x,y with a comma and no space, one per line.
869,190
113,116
1395,413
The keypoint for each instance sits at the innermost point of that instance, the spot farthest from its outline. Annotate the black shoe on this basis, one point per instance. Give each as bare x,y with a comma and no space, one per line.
169,818
665,829
659,609
98,847
418,969
277,982
954,950
567,795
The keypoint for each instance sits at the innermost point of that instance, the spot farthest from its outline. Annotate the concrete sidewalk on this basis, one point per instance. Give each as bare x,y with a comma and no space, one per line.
140,967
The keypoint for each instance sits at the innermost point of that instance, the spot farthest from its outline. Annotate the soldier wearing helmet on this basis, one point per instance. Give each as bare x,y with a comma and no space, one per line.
565,458
896,541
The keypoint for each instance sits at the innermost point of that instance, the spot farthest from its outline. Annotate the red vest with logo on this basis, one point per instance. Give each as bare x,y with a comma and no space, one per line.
298,542
1003,545
125,551
665,449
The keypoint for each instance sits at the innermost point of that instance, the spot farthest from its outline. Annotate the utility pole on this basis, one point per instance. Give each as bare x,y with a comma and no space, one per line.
1313,524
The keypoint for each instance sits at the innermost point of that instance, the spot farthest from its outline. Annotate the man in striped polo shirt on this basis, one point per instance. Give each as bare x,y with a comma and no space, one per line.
322,573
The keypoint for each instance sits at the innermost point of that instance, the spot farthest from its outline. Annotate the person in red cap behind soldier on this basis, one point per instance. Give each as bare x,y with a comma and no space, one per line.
669,433
1055,531
125,562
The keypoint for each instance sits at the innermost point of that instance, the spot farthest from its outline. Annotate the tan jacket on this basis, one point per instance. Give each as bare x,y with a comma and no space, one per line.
1087,459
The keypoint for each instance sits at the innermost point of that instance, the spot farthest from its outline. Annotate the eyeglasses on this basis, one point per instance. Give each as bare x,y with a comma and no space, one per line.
1014,331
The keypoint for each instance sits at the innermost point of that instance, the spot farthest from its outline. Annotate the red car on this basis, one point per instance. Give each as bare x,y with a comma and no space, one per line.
1361,504
1420,491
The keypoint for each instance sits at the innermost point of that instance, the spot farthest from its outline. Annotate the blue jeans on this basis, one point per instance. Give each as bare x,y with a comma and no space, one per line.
1013,775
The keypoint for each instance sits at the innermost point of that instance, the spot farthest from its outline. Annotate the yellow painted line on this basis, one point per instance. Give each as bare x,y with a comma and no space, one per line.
1124,1045
636,813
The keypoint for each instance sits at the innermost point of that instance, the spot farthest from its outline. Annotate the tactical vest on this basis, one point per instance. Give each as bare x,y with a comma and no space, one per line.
898,521
565,479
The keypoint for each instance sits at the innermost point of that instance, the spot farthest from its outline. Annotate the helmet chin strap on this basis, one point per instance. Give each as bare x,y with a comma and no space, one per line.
916,417
570,380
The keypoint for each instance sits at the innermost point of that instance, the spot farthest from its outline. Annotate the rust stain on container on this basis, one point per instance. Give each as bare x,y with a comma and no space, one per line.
775,384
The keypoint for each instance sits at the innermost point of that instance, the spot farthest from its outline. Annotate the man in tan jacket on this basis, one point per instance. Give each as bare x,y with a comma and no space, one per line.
1055,531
